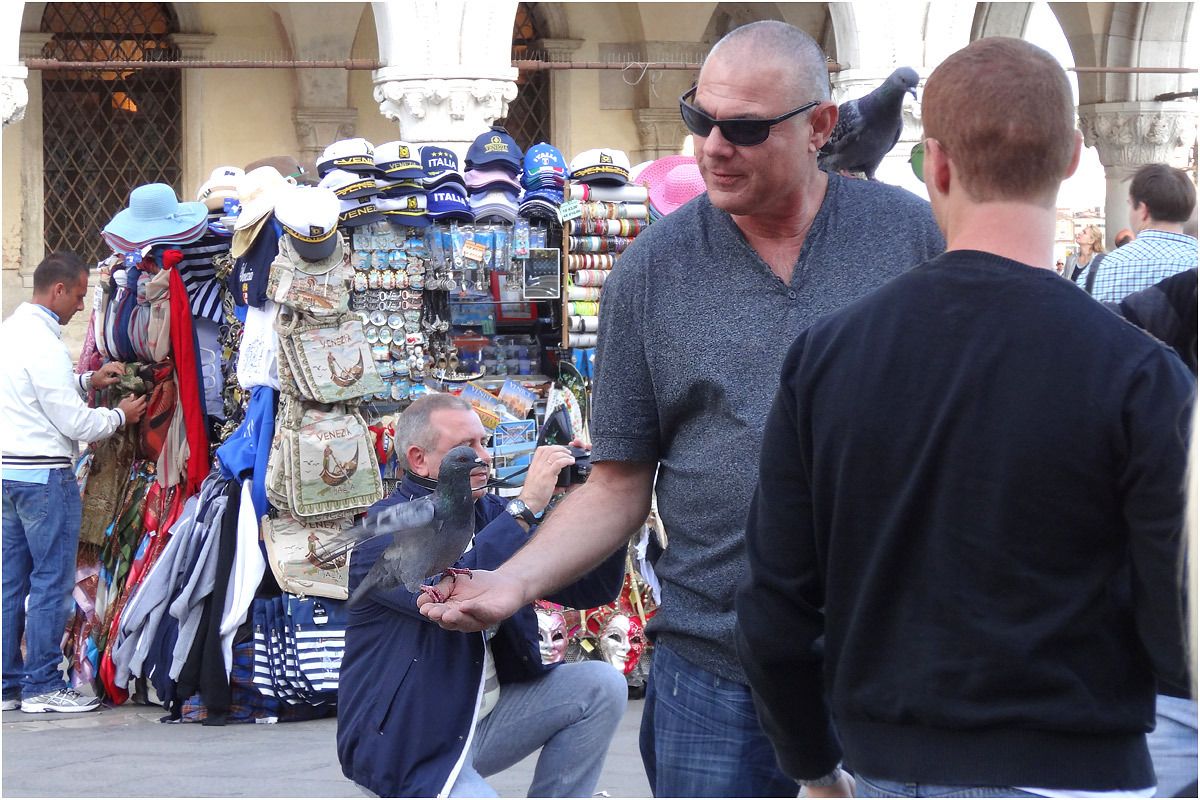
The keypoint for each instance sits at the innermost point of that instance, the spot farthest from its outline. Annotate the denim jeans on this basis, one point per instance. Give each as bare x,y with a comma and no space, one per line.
874,787
41,534
1172,745
701,736
571,713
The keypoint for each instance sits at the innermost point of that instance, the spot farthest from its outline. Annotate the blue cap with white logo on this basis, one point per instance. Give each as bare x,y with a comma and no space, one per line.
495,148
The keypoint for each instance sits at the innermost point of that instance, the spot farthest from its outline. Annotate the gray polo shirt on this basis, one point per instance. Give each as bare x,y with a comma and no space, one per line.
693,330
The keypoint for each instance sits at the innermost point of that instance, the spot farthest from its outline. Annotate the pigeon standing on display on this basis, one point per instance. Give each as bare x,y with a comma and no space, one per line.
869,127
428,534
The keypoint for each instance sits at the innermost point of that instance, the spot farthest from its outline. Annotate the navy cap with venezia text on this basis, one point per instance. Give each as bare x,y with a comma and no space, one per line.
496,148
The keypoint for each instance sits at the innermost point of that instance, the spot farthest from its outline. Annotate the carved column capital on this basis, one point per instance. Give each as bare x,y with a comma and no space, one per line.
317,127
14,96
449,111
1128,135
558,49
192,45
660,131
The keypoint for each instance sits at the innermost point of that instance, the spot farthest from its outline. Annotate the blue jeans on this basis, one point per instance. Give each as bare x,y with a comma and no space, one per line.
571,713
873,787
41,535
701,736
1172,745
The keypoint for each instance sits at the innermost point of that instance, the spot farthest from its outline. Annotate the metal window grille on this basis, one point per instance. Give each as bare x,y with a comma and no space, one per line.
528,119
106,132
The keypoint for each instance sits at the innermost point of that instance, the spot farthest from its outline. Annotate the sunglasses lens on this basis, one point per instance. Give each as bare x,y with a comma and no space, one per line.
696,121
745,132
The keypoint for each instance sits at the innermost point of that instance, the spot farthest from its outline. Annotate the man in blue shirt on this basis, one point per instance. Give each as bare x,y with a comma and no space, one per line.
1161,200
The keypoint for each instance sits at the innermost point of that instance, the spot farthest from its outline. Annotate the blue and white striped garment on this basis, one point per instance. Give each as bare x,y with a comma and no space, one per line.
200,276
1145,261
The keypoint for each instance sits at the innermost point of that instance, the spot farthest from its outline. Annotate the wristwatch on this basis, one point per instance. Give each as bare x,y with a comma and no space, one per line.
518,510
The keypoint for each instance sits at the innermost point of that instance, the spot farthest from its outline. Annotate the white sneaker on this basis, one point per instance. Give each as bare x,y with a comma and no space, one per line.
10,705
64,701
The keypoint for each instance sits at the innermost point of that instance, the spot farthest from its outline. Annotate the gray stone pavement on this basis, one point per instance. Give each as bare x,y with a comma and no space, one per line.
126,752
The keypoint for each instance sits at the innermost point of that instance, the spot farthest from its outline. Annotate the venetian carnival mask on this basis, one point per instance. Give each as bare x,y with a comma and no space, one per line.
552,636
622,642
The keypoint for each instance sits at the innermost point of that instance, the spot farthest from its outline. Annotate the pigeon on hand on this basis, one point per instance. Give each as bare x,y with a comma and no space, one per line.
869,127
429,533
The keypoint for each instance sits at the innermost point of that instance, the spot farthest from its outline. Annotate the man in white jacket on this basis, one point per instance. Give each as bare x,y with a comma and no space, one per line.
44,416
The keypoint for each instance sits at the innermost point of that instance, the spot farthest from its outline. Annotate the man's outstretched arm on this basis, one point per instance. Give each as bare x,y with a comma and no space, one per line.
588,526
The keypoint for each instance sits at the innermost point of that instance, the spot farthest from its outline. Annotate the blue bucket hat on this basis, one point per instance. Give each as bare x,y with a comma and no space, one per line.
495,148
155,214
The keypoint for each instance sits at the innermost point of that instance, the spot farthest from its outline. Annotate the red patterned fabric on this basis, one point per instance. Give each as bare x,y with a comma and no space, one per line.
191,393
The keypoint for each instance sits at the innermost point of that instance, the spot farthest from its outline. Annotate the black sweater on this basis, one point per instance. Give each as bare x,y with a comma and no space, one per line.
995,584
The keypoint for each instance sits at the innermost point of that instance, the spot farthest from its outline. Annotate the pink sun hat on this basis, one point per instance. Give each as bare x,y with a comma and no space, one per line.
672,181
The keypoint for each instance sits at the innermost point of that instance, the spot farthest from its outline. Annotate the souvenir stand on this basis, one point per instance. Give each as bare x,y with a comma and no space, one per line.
277,330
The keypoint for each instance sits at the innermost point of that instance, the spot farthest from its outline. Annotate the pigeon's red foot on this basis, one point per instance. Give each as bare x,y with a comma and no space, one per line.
434,594
456,571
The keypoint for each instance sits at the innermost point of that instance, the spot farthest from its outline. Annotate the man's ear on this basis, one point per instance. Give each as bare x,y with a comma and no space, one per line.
416,462
823,119
937,166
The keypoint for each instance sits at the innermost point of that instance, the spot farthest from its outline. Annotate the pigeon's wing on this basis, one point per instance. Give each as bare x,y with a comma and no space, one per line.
417,554
849,127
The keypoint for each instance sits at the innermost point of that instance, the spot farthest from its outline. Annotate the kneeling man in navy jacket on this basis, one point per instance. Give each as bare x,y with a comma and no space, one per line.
423,711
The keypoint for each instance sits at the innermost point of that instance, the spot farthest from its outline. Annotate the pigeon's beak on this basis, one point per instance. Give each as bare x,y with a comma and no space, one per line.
913,91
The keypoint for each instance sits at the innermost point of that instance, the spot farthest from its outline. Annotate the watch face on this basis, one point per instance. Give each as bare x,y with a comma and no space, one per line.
515,507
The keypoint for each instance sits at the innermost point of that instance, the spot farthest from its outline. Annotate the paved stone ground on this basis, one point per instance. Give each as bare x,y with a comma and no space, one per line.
126,752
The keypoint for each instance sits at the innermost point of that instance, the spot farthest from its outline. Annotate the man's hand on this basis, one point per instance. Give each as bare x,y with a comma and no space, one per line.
548,461
133,407
107,375
475,603
843,788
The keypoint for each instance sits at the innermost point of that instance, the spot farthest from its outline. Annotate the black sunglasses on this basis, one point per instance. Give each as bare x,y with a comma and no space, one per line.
745,132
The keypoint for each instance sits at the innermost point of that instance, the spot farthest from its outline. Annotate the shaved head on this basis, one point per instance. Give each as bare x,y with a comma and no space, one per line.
783,47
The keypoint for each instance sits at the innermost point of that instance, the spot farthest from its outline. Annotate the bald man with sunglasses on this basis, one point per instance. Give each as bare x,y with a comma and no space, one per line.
694,326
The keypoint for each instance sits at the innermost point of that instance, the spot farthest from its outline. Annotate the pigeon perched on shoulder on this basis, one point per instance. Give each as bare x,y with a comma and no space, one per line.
428,534
869,127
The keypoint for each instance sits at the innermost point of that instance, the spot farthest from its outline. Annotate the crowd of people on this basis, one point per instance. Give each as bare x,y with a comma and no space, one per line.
925,495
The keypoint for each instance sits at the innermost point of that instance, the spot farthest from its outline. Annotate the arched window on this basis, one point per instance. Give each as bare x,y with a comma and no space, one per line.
106,131
529,114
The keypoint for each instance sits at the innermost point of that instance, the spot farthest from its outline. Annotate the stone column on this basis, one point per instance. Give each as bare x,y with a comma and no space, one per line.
33,189
560,86
193,47
449,72
854,83
1128,136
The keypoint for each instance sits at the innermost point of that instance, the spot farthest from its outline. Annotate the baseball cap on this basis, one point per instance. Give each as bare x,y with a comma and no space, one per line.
544,163
222,183
309,217
495,148
448,202
601,166
499,204
478,179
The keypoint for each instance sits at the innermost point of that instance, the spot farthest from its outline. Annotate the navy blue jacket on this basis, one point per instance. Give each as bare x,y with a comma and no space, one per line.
408,689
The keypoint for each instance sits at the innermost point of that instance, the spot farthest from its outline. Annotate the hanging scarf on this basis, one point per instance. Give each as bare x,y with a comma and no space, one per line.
191,392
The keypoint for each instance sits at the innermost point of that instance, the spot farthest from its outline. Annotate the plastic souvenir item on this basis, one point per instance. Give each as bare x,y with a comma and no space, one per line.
552,636
622,642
